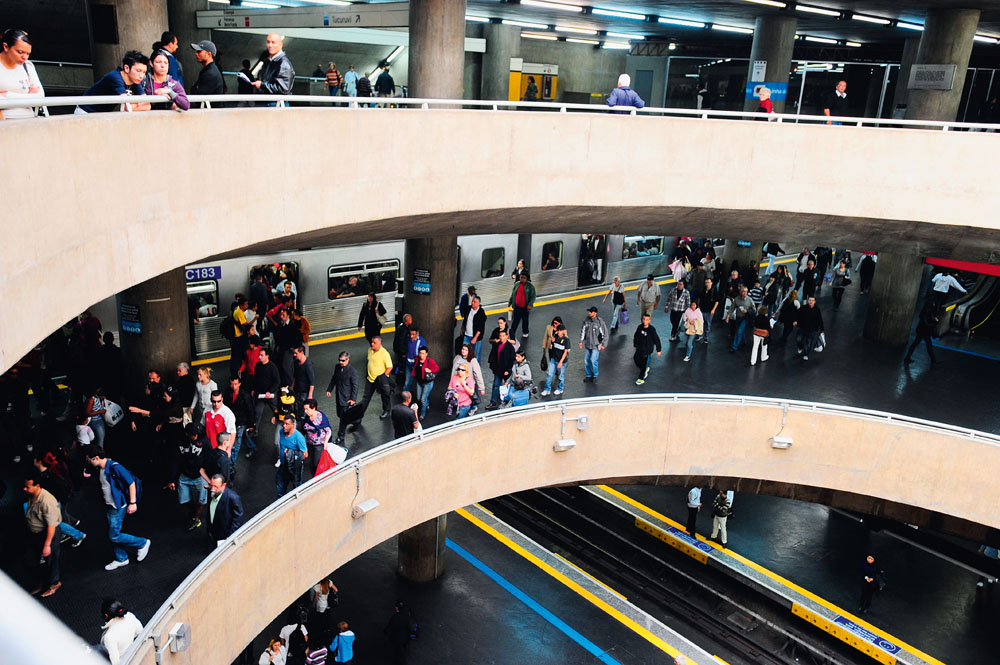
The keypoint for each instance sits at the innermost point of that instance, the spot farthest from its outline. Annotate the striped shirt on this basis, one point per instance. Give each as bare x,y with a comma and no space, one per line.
333,78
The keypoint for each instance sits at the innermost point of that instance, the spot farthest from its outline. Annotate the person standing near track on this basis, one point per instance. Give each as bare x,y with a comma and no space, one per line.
720,514
522,299
871,581
693,505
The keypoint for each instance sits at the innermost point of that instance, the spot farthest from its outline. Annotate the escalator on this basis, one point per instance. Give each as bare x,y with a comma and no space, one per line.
975,312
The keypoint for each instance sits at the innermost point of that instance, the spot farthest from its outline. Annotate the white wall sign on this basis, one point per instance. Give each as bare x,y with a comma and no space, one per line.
932,77
759,70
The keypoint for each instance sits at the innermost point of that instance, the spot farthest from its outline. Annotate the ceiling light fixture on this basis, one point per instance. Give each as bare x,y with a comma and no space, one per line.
853,44
625,35
617,14
732,28
553,5
578,31
984,38
820,40
260,5
769,3
535,35
394,54
908,26
525,24
577,40
681,21
477,19
816,10
671,46
336,3
871,19
616,45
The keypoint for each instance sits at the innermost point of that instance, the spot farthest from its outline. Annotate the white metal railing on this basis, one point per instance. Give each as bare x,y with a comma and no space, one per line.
354,465
283,101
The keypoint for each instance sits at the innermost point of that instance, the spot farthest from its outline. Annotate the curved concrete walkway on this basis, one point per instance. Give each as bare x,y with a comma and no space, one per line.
459,463
103,202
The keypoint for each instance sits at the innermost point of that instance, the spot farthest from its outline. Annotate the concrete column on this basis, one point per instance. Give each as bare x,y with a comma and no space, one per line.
946,40
434,312
437,48
503,42
183,22
893,298
140,23
421,550
901,94
742,254
161,340
773,40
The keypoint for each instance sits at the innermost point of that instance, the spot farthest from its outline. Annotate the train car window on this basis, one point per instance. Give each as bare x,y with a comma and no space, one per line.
276,274
552,255
203,297
636,246
360,279
492,262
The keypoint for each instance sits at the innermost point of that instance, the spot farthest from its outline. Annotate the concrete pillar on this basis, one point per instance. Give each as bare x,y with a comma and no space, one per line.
946,40
421,550
183,22
437,48
742,254
893,298
503,42
156,313
901,94
773,40
139,22
433,312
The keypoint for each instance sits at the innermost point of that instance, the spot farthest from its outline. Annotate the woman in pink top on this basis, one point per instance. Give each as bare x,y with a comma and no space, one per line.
464,387
695,326
159,82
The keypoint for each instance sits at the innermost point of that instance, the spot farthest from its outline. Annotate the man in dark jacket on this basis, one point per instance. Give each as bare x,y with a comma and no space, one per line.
266,382
368,318
225,511
400,343
926,326
278,74
384,85
345,381
809,323
645,340
210,77
522,299
474,327
240,403
623,95
287,337
502,363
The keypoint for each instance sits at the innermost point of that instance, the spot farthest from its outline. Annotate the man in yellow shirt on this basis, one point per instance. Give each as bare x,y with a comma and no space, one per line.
379,369
238,344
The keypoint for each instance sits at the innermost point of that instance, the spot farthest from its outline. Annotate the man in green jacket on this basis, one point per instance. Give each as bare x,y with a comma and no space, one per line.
522,299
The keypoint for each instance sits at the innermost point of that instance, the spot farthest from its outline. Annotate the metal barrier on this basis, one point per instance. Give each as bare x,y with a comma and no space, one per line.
283,101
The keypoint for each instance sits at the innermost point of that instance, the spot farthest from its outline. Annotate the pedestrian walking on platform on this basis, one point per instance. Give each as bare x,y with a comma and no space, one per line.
694,505
593,336
926,326
871,582
121,495
645,340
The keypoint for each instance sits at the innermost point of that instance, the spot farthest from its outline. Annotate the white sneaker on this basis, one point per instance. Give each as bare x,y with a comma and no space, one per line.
639,382
558,392
545,393
277,464
687,358
144,550
116,564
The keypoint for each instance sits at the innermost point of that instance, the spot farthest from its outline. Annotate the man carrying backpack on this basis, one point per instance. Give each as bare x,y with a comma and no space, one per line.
122,492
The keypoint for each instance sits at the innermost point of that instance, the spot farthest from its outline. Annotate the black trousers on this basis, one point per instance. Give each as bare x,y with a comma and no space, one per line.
692,520
926,339
867,593
675,322
384,388
48,570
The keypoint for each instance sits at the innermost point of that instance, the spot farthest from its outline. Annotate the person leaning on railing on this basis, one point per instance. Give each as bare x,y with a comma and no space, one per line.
18,78
125,81
623,95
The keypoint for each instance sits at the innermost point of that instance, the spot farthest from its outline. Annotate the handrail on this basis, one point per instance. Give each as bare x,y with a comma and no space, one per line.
355,464
282,101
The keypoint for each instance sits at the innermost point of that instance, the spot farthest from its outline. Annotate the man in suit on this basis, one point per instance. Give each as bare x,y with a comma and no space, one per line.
225,511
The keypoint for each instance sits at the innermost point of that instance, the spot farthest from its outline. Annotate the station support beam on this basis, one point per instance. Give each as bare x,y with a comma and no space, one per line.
947,39
893,298
137,24
732,250
773,40
184,24
503,42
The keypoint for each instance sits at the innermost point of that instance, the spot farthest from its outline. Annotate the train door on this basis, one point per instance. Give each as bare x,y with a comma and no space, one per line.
593,264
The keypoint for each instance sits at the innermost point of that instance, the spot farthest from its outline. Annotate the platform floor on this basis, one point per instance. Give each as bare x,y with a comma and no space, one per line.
852,371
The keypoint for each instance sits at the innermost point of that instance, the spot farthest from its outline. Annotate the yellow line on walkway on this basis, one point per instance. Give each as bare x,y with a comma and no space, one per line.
615,613
489,312
774,576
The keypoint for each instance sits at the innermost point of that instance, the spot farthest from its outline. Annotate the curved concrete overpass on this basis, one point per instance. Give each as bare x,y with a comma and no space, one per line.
860,453
103,202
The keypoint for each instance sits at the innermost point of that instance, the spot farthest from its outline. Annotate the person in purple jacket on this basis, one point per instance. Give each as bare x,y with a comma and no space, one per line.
159,82
624,95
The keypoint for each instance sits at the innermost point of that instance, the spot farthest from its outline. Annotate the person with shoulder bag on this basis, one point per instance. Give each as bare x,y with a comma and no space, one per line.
425,371
761,335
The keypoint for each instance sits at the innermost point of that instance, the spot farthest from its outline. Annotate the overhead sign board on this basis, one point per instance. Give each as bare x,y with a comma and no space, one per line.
932,77
759,70
378,15
778,90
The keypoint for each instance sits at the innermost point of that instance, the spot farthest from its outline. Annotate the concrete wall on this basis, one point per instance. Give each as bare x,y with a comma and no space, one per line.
658,65
94,209
468,463
582,68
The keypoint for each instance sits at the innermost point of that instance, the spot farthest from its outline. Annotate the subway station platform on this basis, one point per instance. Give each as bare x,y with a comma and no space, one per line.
928,603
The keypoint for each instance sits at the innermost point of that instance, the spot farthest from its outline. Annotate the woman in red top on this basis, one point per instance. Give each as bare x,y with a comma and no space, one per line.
424,372
765,101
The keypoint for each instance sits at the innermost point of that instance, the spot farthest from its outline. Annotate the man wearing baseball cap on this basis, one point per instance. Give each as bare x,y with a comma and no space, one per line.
210,77
593,336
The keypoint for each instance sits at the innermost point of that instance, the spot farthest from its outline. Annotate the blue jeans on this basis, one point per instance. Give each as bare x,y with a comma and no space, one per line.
289,474
463,411
97,424
410,379
614,316
708,326
476,348
590,358
334,90
740,329
118,539
240,431
551,372
690,344
424,395
70,530
495,396
810,338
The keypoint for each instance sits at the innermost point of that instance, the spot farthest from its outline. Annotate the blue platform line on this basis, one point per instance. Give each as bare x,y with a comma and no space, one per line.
561,625
957,350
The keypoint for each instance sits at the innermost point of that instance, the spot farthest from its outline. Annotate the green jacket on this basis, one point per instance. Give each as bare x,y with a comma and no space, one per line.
529,294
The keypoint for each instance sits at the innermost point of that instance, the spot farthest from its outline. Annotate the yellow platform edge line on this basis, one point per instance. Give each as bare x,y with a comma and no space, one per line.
778,578
616,614
584,572
489,312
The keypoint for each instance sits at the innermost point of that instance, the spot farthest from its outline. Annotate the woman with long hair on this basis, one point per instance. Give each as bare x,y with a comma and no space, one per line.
159,82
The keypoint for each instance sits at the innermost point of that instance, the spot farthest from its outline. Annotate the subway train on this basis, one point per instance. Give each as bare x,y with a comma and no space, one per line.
331,283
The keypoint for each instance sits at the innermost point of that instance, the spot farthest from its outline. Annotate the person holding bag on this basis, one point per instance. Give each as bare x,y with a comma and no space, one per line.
694,323
761,335
617,293
424,373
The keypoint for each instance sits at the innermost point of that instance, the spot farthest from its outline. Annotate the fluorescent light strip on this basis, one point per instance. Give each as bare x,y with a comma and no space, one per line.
535,35
820,40
769,3
624,35
577,40
616,45
219,2
853,44
732,28
260,5
681,21
870,19
984,38
477,19
552,5
816,10
597,11
908,26
523,24
336,3
394,54
578,31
